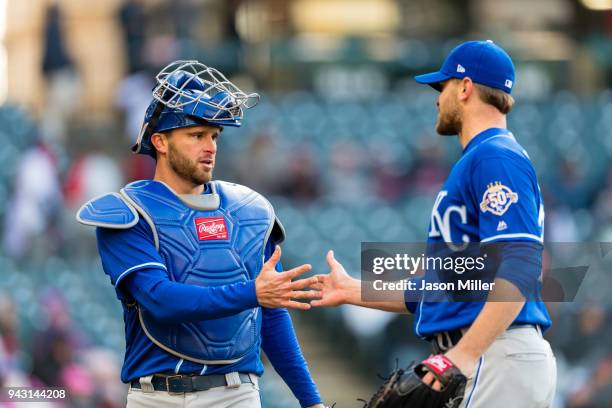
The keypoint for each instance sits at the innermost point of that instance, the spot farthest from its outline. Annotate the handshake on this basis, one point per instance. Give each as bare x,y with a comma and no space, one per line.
283,289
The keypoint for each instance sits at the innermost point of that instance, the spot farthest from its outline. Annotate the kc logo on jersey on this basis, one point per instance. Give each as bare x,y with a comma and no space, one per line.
440,224
211,228
498,198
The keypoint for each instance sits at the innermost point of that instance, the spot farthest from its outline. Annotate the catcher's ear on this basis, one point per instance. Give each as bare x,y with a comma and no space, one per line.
160,142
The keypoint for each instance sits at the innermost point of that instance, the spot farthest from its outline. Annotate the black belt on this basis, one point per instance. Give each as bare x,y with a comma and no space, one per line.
450,338
180,383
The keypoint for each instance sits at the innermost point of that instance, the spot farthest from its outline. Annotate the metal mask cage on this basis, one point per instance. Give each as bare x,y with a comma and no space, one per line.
172,96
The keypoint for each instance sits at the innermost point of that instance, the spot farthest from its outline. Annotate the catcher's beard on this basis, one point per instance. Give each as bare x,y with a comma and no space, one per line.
450,122
186,168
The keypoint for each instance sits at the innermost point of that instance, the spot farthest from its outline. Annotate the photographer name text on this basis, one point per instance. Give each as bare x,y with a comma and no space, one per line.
411,285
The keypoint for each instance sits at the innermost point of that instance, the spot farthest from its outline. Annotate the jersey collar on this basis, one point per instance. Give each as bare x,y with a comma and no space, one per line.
485,135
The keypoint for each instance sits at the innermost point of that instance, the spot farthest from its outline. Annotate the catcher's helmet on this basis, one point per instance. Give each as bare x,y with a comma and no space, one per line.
189,93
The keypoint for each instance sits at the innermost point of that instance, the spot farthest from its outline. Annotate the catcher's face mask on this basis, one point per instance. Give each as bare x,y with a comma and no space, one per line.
189,93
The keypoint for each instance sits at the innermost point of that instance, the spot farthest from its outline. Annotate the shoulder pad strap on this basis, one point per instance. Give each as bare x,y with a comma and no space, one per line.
109,211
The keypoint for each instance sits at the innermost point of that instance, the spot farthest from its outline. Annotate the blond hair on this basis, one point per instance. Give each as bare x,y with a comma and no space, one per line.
501,100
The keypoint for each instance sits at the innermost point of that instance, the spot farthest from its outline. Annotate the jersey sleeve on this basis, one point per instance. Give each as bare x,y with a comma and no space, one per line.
511,212
507,198
124,251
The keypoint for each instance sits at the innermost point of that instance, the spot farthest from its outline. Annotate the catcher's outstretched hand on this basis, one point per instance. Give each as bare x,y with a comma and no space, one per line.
334,287
282,289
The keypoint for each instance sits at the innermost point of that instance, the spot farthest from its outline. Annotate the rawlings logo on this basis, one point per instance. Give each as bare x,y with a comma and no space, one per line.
497,199
211,228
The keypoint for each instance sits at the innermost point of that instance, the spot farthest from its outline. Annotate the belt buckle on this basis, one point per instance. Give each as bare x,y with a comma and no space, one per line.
168,378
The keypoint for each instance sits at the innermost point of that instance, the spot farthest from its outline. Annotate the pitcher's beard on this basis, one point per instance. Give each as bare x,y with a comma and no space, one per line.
449,124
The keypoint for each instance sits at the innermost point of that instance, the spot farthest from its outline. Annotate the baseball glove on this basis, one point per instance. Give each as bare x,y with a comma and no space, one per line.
405,389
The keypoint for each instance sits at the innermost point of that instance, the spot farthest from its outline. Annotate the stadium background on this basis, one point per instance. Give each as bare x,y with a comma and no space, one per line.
342,143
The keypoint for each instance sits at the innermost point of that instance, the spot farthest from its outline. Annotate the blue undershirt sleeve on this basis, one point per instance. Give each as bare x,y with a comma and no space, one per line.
139,273
280,344
520,263
157,294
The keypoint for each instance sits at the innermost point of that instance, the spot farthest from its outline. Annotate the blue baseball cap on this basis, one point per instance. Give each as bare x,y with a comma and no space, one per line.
484,62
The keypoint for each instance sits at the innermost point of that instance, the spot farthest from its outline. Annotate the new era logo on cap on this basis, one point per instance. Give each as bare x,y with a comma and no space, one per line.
460,68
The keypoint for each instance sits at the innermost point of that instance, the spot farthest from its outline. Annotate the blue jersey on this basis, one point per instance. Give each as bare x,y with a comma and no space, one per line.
491,195
138,273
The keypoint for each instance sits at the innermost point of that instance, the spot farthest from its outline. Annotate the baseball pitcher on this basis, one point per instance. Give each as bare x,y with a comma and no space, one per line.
485,354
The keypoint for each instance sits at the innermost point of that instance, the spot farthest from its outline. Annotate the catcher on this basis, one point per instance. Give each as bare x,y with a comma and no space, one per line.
486,353
195,261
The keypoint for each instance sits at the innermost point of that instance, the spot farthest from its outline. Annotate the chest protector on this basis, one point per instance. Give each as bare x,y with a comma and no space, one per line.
206,240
